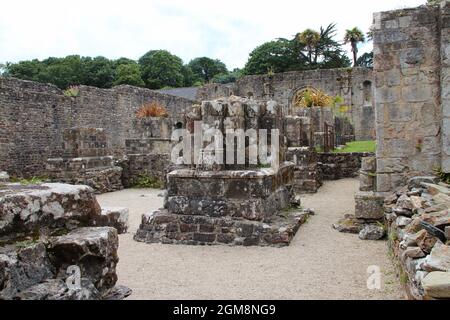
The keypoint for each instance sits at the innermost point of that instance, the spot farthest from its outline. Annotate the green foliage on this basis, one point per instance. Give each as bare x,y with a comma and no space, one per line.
189,78
444,176
354,36
129,73
366,60
160,68
313,98
308,50
277,55
228,77
25,244
205,68
145,181
358,146
26,182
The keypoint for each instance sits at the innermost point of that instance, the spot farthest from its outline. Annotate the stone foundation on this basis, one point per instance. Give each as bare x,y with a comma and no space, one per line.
163,227
335,166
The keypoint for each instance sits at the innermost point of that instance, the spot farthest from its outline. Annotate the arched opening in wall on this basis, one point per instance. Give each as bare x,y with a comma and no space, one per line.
249,95
367,92
302,97
179,125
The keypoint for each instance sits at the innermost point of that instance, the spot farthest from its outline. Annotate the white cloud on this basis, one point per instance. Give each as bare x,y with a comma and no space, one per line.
227,30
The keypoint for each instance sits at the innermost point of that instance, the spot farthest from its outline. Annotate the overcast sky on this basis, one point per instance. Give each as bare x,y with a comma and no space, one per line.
228,30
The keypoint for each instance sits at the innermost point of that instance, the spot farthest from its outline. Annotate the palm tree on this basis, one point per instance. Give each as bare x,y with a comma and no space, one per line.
310,38
354,36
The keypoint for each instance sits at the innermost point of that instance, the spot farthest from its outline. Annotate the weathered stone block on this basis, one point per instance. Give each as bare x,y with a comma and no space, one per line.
369,206
25,209
437,285
94,250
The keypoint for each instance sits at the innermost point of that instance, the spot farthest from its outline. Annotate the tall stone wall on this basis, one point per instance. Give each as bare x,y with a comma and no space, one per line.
354,85
33,117
410,77
445,85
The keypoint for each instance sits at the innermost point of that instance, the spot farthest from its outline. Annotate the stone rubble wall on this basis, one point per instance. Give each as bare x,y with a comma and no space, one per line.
418,217
354,85
33,117
411,48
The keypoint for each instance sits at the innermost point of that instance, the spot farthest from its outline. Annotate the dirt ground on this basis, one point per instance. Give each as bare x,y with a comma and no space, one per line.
321,263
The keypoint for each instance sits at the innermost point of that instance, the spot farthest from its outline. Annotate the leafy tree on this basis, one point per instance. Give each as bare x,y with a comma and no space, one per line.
310,39
129,73
227,77
277,55
98,72
161,69
26,70
206,68
188,76
319,50
354,36
366,60
63,72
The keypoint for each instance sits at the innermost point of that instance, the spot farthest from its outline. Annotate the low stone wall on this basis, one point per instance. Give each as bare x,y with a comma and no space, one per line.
418,220
149,165
334,166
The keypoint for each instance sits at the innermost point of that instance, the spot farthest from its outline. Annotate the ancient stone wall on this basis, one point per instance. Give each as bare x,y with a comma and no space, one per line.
353,85
33,117
334,166
411,47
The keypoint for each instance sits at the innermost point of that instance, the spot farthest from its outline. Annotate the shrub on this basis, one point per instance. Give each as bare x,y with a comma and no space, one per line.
444,176
152,109
311,97
72,91
145,181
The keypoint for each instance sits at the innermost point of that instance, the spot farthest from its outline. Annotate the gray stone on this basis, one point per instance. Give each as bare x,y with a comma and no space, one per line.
114,217
372,232
404,202
93,250
402,222
413,252
25,209
416,182
23,268
369,205
437,285
447,232
439,258
56,289
435,189
4,177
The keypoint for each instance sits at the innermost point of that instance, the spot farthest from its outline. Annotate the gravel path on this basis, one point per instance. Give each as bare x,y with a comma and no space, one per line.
321,263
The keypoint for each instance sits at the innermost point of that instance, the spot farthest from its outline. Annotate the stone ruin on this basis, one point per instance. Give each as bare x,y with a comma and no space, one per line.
215,202
49,233
86,160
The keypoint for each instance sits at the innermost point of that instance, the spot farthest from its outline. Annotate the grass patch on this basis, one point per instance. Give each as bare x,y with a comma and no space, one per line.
26,182
358,146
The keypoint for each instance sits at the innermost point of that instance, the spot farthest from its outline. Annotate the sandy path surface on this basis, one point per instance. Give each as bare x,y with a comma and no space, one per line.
321,263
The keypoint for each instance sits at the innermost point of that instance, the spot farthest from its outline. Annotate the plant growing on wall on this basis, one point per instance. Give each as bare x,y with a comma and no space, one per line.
444,176
153,109
72,91
311,97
